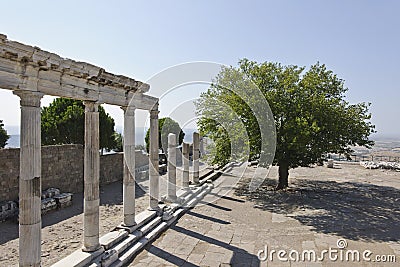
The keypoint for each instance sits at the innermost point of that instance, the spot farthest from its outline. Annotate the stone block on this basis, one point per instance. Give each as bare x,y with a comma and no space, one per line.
330,163
110,239
51,192
63,200
48,204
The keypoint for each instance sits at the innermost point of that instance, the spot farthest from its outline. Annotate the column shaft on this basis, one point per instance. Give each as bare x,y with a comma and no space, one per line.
153,161
196,156
129,167
171,185
30,222
185,162
91,178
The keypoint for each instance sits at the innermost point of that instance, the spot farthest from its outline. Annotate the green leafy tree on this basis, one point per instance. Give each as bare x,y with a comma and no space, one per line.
309,109
3,135
165,127
119,144
63,123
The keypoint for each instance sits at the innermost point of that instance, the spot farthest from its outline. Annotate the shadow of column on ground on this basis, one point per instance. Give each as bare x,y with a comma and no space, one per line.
240,256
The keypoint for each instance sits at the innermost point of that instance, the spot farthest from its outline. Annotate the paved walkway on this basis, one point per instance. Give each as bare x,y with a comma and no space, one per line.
232,229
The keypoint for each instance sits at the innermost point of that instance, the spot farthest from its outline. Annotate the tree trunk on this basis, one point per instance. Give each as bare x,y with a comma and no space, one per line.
283,176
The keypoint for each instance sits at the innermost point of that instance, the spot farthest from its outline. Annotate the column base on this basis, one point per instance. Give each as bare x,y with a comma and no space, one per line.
128,225
91,244
156,209
129,220
193,184
91,249
169,199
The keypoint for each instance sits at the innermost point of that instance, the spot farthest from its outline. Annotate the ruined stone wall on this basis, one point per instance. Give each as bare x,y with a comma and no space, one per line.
9,172
62,167
111,168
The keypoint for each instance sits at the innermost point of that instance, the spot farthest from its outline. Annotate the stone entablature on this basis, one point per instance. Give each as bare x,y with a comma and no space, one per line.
28,68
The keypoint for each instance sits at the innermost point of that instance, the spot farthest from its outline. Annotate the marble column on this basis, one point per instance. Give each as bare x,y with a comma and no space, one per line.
171,185
30,191
196,156
201,146
185,161
153,162
129,167
91,178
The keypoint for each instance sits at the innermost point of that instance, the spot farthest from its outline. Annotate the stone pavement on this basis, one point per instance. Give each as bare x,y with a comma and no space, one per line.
231,230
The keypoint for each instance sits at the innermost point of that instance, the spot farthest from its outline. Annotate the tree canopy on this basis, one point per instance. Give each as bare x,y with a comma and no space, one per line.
165,127
63,122
3,135
309,110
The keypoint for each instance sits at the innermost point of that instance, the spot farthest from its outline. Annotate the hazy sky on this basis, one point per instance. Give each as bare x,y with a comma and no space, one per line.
358,40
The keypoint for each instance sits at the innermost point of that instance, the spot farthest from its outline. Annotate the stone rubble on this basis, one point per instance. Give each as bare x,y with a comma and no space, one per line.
63,200
330,163
48,204
380,165
51,200
51,192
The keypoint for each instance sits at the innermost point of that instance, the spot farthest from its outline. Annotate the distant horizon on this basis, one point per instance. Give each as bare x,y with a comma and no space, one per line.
15,130
14,142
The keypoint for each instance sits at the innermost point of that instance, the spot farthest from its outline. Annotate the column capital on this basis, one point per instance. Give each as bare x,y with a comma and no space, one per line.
154,114
129,110
29,98
91,106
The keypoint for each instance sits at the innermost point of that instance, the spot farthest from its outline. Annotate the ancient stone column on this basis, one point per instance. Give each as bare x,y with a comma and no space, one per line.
196,156
171,185
91,178
185,163
201,146
153,161
30,191
129,166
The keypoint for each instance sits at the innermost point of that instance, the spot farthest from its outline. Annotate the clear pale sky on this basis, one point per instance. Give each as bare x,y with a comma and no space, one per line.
358,40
